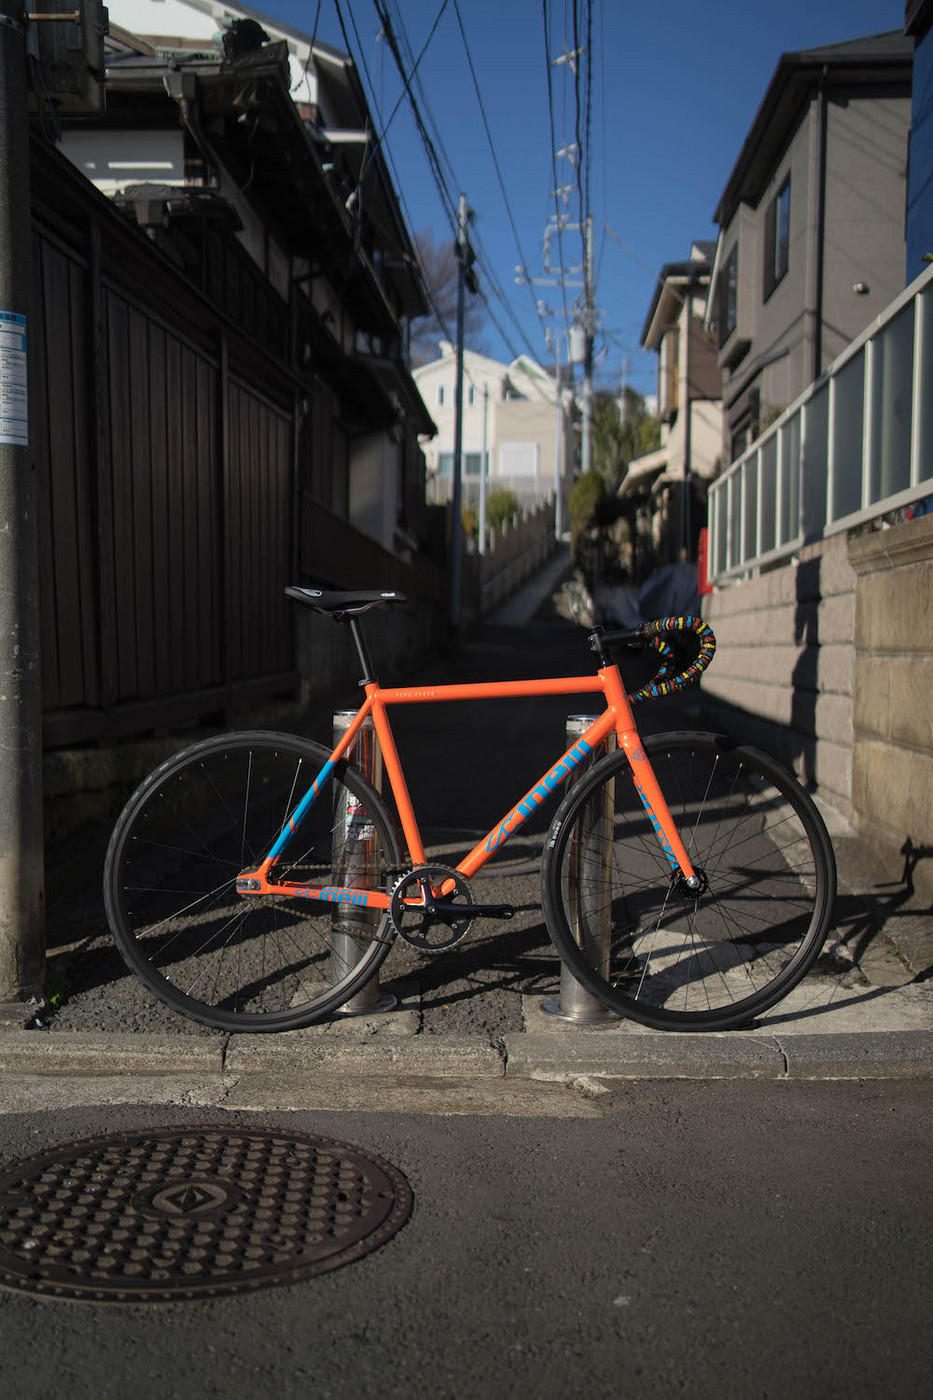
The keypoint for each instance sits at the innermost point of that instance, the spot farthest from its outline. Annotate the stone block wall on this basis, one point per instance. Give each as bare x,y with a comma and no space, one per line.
517,550
893,713
783,676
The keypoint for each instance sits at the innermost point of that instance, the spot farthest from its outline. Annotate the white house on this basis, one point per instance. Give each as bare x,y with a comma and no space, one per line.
512,411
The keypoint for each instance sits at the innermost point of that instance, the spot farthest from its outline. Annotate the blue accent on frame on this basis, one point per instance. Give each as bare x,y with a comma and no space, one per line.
294,821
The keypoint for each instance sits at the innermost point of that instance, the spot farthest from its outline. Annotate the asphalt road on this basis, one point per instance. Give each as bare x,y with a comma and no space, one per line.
702,1239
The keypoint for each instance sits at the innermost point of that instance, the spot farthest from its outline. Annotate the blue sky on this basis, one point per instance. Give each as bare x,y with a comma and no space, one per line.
675,87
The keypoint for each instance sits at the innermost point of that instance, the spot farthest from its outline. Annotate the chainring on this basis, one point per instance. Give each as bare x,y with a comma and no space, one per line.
421,924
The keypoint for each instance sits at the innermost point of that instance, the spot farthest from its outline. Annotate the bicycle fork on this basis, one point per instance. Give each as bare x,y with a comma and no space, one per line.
646,784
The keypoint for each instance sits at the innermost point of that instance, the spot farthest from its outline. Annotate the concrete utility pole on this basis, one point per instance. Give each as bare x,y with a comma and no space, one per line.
484,472
465,276
22,932
558,446
588,322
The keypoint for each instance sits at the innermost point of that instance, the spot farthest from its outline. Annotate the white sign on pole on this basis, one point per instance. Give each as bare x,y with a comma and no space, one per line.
14,403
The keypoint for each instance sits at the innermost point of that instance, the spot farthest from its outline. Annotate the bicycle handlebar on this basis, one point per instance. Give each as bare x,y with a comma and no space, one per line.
652,634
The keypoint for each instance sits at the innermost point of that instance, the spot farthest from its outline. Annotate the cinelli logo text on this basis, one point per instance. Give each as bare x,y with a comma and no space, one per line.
539,793
331,894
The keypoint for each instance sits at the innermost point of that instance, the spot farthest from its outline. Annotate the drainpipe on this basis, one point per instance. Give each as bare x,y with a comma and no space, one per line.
817,367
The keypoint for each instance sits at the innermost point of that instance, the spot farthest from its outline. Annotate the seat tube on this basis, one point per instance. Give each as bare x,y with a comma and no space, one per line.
354,864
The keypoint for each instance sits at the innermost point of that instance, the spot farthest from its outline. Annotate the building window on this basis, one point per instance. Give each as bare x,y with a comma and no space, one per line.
441,395
728,294
777,238
471,395
471,463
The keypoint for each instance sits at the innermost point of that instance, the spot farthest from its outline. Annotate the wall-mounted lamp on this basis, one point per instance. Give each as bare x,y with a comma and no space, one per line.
861,289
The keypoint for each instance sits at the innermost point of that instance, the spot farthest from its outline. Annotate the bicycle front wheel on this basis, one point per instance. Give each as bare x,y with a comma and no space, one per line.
632,933
235,961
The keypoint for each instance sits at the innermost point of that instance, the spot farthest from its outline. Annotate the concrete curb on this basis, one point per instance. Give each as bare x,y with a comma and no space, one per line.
723,1055
866,1055
564,1058
110,1053
427,1056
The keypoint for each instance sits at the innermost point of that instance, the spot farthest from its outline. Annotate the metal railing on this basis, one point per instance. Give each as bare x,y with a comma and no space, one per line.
857,443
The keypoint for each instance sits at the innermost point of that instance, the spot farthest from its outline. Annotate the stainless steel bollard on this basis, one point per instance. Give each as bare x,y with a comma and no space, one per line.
354,865
591,932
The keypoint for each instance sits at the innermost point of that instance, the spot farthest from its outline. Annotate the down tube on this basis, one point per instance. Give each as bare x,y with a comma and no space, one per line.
578,753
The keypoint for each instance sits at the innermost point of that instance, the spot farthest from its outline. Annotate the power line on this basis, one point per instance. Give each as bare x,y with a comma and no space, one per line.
557,211
431,142
406,82
425,119
495,159
433,160
429,291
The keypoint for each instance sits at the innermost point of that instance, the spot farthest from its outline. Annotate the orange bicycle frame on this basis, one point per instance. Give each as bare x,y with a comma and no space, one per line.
617,717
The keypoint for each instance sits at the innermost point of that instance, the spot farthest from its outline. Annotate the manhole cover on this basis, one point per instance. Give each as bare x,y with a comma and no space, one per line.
197,1213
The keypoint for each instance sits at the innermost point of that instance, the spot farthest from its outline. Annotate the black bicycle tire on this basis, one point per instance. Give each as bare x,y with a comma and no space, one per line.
739,1013
128,946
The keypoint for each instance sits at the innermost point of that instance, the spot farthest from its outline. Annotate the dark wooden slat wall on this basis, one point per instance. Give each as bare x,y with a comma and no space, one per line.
260,525
167,534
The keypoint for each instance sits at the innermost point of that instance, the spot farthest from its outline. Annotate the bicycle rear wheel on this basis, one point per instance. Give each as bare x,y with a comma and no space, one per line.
632,933
234,961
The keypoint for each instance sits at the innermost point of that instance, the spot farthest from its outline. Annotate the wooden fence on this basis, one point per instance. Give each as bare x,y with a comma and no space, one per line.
175,448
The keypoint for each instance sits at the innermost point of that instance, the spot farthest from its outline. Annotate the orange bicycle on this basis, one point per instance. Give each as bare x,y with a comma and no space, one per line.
256,881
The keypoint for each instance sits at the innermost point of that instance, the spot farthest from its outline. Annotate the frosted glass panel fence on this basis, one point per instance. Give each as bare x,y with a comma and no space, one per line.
856,443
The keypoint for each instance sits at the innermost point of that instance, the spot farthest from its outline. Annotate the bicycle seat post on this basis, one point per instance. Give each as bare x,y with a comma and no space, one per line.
362,651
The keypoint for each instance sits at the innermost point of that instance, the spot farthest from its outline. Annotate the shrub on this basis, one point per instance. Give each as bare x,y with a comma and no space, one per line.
583,504
501,505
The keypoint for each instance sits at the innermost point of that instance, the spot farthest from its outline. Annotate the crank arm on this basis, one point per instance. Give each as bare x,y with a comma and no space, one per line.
475,911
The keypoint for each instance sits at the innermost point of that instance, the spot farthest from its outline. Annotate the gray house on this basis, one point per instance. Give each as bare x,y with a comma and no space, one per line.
821,524
811,244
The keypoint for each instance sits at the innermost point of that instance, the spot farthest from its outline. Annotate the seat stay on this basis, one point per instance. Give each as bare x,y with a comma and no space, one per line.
317,787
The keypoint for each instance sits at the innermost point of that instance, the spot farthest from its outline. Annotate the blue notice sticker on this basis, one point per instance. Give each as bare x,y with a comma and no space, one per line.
14,397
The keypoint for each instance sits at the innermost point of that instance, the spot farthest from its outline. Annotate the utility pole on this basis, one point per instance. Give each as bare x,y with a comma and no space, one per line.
552,340
22,933
484,472
588,323
465,278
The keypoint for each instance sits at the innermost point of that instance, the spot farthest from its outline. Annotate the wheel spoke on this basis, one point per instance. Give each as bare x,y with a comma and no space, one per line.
705,959
241,960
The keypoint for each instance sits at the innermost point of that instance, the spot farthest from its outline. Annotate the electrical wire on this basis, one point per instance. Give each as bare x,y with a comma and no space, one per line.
495,160
406,81
447,201
482,258
426,286
556,196
431,143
